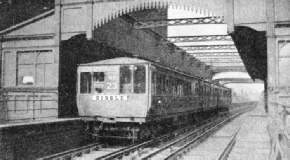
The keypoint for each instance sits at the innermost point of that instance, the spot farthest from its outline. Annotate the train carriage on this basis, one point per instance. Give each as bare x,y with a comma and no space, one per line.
131,97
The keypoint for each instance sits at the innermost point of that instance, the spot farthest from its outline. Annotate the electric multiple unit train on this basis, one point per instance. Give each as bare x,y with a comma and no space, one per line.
134,98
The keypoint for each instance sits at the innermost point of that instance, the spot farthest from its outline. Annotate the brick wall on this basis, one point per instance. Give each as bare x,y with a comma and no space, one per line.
31,141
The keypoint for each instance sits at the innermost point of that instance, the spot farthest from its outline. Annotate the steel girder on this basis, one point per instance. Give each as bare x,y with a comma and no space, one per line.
226,63
218,57
179,39
207,47
218,69
212,54
175,22
221,60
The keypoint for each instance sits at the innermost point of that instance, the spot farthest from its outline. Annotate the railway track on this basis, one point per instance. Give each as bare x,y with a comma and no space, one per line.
182,146
78,152
169,146
226,151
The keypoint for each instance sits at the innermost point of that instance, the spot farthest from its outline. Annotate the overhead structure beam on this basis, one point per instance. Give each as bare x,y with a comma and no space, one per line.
176,22
227,64
218,57
213,54
208,47
240,81
179,39
221,60
218,69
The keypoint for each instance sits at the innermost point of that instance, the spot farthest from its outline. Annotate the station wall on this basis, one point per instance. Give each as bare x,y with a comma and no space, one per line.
29,79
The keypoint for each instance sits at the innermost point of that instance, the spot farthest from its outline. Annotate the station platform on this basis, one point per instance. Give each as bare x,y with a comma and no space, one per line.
252,140
32,140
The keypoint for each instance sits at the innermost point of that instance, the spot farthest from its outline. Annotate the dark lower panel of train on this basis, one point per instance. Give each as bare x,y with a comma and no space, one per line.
132,132
75,51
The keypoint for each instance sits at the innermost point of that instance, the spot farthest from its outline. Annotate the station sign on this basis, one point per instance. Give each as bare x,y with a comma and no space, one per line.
110,97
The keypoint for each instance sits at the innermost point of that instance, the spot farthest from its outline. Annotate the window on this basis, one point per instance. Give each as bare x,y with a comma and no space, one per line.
35,68
126,79
139,79
26,68
85,82
159,84
163,84
132,81
99,82
154,80
167,86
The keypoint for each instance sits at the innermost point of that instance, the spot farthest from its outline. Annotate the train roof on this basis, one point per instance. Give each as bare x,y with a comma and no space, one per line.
137,60
119,60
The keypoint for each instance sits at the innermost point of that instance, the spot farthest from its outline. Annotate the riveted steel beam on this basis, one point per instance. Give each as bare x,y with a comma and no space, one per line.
179,39
221,59
226,63
175,22
213,54
218,69
207,47
218,57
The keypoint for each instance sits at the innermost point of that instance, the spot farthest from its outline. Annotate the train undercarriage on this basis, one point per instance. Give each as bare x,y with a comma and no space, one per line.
136,132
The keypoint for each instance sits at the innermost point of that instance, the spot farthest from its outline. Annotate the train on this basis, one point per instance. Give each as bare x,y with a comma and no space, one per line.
135,98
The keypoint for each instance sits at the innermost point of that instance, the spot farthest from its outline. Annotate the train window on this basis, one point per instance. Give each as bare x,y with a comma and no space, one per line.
85,82
159,84
193,87
167,86
98,79
126,79
139,79
175,87
154,77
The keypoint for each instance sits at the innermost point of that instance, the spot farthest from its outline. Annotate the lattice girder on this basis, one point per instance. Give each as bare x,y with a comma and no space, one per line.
179,39
218,57
222,59
226,63
214,54
175,22
104,11
208,47
218,69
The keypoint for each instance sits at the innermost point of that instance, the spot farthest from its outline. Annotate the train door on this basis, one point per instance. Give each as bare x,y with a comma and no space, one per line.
84,90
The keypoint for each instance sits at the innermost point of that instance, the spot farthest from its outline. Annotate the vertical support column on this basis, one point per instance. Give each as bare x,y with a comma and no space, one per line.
230,16
57,39
89,19
271,57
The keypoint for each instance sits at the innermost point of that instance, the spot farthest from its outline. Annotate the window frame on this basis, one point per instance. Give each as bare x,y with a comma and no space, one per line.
34,64
133,79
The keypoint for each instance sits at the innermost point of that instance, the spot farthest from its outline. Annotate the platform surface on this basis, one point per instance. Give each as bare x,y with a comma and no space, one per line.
45,121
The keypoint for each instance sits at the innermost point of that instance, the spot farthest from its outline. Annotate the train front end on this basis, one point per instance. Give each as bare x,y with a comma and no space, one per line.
114,95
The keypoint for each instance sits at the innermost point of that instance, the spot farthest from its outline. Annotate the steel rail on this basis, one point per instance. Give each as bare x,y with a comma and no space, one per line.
72,153
192,143
189,136
133,148
225,153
